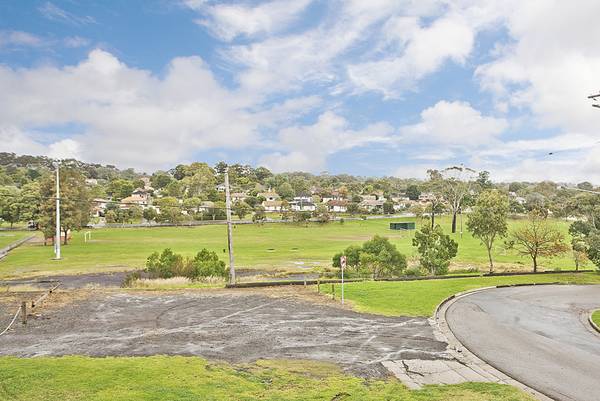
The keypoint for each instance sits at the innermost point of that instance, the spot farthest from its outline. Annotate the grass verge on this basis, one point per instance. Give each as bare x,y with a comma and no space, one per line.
420,298
190,378
596,317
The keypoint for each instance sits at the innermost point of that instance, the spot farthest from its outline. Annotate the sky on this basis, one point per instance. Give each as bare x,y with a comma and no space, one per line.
370,88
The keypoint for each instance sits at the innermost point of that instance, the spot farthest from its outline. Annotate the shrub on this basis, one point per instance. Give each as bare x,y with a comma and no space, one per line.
435,248
377,257
169,264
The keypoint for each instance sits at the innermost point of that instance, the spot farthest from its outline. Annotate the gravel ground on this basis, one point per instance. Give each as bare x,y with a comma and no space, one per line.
233,326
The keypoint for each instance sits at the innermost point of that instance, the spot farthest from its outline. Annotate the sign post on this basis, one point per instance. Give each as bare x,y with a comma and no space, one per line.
343,265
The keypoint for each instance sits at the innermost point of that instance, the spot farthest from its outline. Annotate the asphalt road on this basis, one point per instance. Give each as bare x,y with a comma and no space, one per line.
537,335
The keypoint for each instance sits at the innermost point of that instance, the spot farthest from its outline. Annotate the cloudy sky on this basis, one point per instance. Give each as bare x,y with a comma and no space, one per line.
379,87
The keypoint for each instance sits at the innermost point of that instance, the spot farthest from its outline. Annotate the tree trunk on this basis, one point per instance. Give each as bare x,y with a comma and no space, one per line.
65,241
432,215
535,264
454,222
490,258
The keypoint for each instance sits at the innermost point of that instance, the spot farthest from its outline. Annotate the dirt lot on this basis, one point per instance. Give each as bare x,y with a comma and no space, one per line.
236,326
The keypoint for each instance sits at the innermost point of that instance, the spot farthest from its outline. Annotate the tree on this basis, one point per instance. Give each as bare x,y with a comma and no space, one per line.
241,209
10,204
150,214
75,205
322,214
456,184
286,191
120,188
388,207
537,238
377,257
580,249
413,192
170,210
488,221
435,248
483,181
259,214
160,179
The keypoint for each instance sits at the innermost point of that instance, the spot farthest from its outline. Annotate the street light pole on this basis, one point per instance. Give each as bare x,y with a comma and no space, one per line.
57,233
229,228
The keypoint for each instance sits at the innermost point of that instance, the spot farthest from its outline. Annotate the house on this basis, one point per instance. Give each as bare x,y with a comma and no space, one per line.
99,207
303,198
338,206
302,206
220,188
270,196
401,202
146,181
91,181
334,195
372,205
238,197
368,197
204,206
272,205
134,199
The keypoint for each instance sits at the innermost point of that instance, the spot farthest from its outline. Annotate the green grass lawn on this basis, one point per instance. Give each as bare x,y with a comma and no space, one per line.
8,237
190,378
596,317
420,298
284,247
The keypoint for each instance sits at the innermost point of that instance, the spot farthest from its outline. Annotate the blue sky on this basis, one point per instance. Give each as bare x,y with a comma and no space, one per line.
385,87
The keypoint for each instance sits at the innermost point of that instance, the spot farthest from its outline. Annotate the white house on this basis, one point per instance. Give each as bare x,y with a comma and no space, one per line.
302,206
270,196
338,206
272,206
371,204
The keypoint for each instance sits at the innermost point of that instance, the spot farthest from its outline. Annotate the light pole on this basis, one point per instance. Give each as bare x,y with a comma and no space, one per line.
57,233
229,228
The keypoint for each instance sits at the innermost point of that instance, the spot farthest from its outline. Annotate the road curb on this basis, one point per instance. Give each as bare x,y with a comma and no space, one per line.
4,251
594,325
468,358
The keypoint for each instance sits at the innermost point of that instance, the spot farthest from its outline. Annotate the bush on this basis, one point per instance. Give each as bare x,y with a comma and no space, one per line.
435,248
169,264
377,257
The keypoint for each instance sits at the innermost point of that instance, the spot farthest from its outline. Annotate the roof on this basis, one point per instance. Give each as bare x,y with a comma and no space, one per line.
272,203
341,202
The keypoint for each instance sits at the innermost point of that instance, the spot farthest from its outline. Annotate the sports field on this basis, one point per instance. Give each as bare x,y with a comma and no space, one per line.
267,247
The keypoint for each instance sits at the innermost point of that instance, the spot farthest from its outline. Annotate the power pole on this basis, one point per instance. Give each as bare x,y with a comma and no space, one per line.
229,228
57,233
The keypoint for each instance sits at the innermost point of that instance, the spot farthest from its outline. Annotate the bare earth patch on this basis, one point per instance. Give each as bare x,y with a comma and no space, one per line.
234,326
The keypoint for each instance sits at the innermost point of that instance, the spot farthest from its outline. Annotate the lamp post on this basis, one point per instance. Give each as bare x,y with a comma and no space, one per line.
57,233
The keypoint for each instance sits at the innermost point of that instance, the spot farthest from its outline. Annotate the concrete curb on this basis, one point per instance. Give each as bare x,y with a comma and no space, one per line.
4,251
594,325
468,358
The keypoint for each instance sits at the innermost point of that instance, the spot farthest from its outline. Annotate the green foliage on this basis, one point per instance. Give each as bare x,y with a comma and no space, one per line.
388,207
75,205
488,220
537,238
170,210
120,188
413,192
435,248
241,209
286,191
259,215
169,264
376,257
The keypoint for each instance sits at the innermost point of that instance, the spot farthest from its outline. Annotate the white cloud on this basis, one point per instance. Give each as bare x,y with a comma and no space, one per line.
425,49
131,117
9,39
53,12
454,124
228,21
308,146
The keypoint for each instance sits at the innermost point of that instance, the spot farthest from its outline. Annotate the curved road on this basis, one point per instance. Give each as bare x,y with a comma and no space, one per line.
537,335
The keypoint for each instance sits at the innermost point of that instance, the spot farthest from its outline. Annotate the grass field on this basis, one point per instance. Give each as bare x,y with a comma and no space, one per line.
282,247
419,298
190,378
8,237
596,317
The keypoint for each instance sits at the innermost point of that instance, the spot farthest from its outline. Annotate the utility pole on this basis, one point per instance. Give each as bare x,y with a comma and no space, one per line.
57,233
229,228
